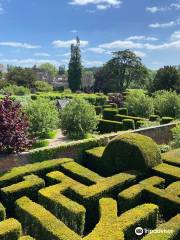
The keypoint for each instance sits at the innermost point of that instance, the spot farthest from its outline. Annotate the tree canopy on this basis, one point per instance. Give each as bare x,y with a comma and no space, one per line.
50,68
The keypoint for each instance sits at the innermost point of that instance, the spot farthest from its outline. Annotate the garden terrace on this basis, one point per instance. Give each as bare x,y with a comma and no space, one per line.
63,200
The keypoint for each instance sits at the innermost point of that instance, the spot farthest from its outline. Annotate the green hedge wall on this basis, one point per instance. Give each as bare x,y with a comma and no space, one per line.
108,126
109,113
10,229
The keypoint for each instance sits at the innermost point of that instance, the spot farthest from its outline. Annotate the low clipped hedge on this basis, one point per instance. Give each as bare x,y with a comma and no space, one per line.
130,151
29,187
40,223
166,120
154,118
41,169
109,113
2,212
128,124
26,238
69,212
139,124
123,111
98,109
108,126
172,157
10,229
120,118
172,230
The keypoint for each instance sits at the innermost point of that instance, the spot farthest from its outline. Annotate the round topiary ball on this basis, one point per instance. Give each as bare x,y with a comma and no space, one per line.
130,151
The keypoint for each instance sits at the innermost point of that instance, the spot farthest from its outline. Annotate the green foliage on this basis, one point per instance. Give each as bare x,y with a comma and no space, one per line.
167,103
21,76
43,117
16,90
139,104
118,73
130,151
172,157
166,120
108,126
42,86
98,110
78,118
123,111
128,124
109,113
75,68
167,78
164,148
50,68
176,136
40,143
154,118
10,229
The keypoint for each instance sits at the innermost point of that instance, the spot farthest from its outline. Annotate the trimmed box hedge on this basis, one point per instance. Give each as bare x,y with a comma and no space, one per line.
128,124
166,120
172,157
26,238
123,111
120,118
40,223
166,231
108,126
28,187
2,212
41,169
109,113
154,118
10,229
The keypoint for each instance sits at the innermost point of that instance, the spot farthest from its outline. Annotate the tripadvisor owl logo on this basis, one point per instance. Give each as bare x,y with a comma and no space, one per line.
139,231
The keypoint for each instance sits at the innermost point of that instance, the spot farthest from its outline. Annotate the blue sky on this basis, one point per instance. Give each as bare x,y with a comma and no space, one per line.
38,31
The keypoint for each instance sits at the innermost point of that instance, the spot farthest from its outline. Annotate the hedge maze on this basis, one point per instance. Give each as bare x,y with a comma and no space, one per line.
63,200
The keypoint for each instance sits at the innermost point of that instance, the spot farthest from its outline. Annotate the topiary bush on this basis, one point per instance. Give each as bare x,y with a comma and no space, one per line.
14,126
130,151
78,119
123,111
128,124
154,118
42,86
109,113
43,117
166,120
176,136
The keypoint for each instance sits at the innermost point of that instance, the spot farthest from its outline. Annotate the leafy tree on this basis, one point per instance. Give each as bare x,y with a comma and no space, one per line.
43,117
42,86
50,68
16,90
78,118
118,73
75,68
139,104
167,78
13,128
61,70
167,103
21,76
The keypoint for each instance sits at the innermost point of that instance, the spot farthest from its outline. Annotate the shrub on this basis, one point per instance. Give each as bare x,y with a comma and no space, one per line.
40,143
176,136
139,104
153,118
166,120
123,111
10,229
172,157
16,90
130,151
109,113
128,124
98,110
107,126
78,118
167,104
42,86
43,117
13,127
140,124
120,118
164,148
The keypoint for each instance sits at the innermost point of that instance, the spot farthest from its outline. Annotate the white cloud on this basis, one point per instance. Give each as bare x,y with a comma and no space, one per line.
175,36
165,25
100,4
92,63
19,45
140,54
74,31
96,50
143,38
42,54
64,55
28,61
67,44
156,9
121,44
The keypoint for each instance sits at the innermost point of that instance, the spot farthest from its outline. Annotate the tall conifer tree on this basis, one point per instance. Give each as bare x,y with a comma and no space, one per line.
75,67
